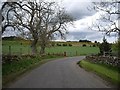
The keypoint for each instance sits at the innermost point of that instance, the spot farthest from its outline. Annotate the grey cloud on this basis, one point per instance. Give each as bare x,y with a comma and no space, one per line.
79,10
89,35
79,35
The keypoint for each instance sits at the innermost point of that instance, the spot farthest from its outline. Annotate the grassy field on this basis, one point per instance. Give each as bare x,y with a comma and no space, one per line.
24,48
74,50
107,72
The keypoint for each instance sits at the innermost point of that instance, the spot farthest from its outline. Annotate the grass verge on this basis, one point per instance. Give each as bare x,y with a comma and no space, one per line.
106,72
10,71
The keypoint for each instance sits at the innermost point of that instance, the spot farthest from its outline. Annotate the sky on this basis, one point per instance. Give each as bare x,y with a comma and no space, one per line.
84,18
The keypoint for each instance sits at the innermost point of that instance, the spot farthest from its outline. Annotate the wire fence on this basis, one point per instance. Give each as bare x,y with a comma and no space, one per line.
24,49
13,50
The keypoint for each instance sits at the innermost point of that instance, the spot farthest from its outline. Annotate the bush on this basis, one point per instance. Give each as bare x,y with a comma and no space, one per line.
64,44
58,44
84,45
70,45
53,44
94,45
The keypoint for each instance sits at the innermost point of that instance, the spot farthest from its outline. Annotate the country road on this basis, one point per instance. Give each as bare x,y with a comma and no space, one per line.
61,73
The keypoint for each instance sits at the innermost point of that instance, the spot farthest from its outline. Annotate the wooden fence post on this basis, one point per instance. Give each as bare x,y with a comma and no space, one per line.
65,54
28,51
21,49
9,50
76,53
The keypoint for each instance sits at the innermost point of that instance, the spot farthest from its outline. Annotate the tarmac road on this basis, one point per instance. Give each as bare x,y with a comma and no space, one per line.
61,73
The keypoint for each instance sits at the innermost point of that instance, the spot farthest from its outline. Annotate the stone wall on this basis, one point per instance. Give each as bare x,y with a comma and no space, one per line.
110,60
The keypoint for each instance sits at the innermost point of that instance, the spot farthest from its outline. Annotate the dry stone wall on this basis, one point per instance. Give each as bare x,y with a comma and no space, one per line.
110,60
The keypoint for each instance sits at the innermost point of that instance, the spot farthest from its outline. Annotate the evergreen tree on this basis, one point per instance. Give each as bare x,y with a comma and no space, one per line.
105,47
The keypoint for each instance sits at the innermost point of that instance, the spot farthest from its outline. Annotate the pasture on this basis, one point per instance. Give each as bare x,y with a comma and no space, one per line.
23,47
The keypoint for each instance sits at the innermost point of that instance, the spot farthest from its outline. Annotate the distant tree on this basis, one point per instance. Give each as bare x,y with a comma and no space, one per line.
94,45
95,42
70,45
84,45
84,41
58,44
53,44
64,44
105,47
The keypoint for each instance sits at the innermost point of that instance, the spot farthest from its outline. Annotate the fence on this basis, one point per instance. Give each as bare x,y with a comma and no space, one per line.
25,49
16,50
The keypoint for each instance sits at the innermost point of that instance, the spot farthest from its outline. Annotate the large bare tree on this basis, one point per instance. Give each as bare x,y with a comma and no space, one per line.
54,21
21,16
110,18
42,19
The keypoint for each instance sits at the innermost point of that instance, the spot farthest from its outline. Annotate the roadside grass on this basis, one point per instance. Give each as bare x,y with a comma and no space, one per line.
10,71
106,72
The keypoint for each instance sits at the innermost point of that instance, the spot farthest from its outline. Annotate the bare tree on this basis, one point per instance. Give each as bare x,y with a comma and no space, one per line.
54,22
24,16
110,16
19,16
41,19
110,19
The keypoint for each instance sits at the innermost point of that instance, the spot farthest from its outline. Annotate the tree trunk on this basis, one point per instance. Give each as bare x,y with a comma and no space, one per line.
42,50
33,46
118,35
119,44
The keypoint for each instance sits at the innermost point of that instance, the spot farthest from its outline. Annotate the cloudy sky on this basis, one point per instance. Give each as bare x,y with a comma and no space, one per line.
83,20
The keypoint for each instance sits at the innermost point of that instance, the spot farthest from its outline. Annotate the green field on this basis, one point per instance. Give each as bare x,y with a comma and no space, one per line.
24,48
74,50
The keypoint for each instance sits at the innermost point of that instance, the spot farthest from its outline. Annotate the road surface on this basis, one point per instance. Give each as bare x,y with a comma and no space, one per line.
61,73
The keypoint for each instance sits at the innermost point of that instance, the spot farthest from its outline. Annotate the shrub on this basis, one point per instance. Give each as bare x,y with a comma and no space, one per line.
94,45
84,45
70,45
53,44
58,44
64,44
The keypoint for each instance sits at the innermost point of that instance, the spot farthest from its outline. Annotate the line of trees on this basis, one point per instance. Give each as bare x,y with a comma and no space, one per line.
84,41
40,21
